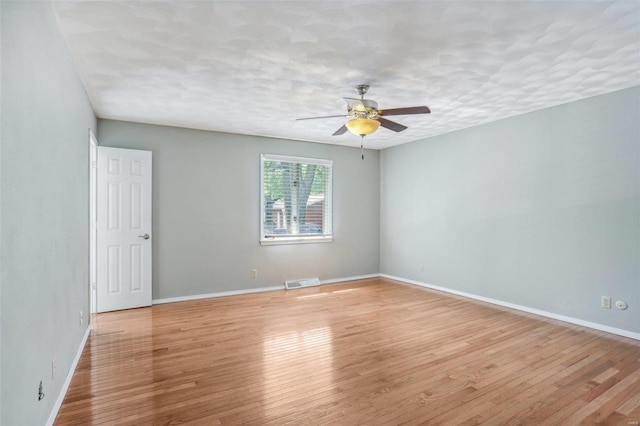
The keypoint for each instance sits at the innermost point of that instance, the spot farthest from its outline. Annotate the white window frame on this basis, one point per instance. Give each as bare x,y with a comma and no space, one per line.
294,239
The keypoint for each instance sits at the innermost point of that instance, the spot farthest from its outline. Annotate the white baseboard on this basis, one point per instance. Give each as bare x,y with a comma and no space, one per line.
356,278
252,290
67,382
596,326
210,295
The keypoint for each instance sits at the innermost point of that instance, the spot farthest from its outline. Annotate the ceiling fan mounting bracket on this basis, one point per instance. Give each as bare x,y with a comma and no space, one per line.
361,89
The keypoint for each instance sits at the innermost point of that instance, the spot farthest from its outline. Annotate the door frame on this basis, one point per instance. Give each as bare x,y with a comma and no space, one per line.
93,228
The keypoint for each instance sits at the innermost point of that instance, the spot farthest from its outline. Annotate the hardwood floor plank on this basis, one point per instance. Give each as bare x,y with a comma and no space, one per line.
606,403
364,352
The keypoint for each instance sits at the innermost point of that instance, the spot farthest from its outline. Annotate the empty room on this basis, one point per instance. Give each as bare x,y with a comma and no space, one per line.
342,212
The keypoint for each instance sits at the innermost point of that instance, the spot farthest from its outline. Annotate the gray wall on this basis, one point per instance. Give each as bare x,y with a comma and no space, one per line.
540,210
206,202
44,210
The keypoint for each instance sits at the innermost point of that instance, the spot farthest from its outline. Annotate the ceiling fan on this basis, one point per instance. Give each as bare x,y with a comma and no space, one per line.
364,117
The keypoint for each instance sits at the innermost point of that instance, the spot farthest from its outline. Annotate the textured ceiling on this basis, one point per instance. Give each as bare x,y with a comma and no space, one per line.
252,67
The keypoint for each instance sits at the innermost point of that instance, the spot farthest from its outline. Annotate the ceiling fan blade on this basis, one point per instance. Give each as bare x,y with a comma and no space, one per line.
340,131
391,125
325,116
405,111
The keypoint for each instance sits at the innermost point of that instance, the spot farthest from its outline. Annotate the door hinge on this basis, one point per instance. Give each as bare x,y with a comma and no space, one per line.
94,164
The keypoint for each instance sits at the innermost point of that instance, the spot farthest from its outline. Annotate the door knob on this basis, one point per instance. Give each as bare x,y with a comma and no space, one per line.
145,236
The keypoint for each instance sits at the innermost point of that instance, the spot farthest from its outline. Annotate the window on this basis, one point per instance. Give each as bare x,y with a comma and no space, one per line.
295,202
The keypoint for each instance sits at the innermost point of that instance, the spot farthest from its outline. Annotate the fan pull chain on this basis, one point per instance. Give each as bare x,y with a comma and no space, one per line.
362,145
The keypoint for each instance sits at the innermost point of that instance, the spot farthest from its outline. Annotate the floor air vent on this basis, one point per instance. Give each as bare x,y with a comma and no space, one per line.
306,282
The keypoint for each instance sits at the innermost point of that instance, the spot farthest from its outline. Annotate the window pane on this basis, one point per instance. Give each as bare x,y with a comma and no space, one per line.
296,198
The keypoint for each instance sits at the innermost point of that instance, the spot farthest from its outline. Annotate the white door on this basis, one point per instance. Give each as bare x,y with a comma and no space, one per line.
124,228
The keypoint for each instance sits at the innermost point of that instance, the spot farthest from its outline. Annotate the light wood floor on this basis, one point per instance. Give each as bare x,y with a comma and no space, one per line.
372,352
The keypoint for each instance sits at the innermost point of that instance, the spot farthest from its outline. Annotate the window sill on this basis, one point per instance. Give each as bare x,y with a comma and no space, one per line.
295,240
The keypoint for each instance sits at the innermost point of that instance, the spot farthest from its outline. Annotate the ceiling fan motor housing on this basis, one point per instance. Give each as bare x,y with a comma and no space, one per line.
362,108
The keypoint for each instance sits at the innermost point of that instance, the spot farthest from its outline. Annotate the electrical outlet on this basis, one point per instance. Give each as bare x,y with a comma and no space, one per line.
254,273
53,368
81,317
605,302
421,267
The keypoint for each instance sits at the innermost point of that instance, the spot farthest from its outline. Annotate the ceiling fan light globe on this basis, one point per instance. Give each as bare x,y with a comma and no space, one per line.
362,126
